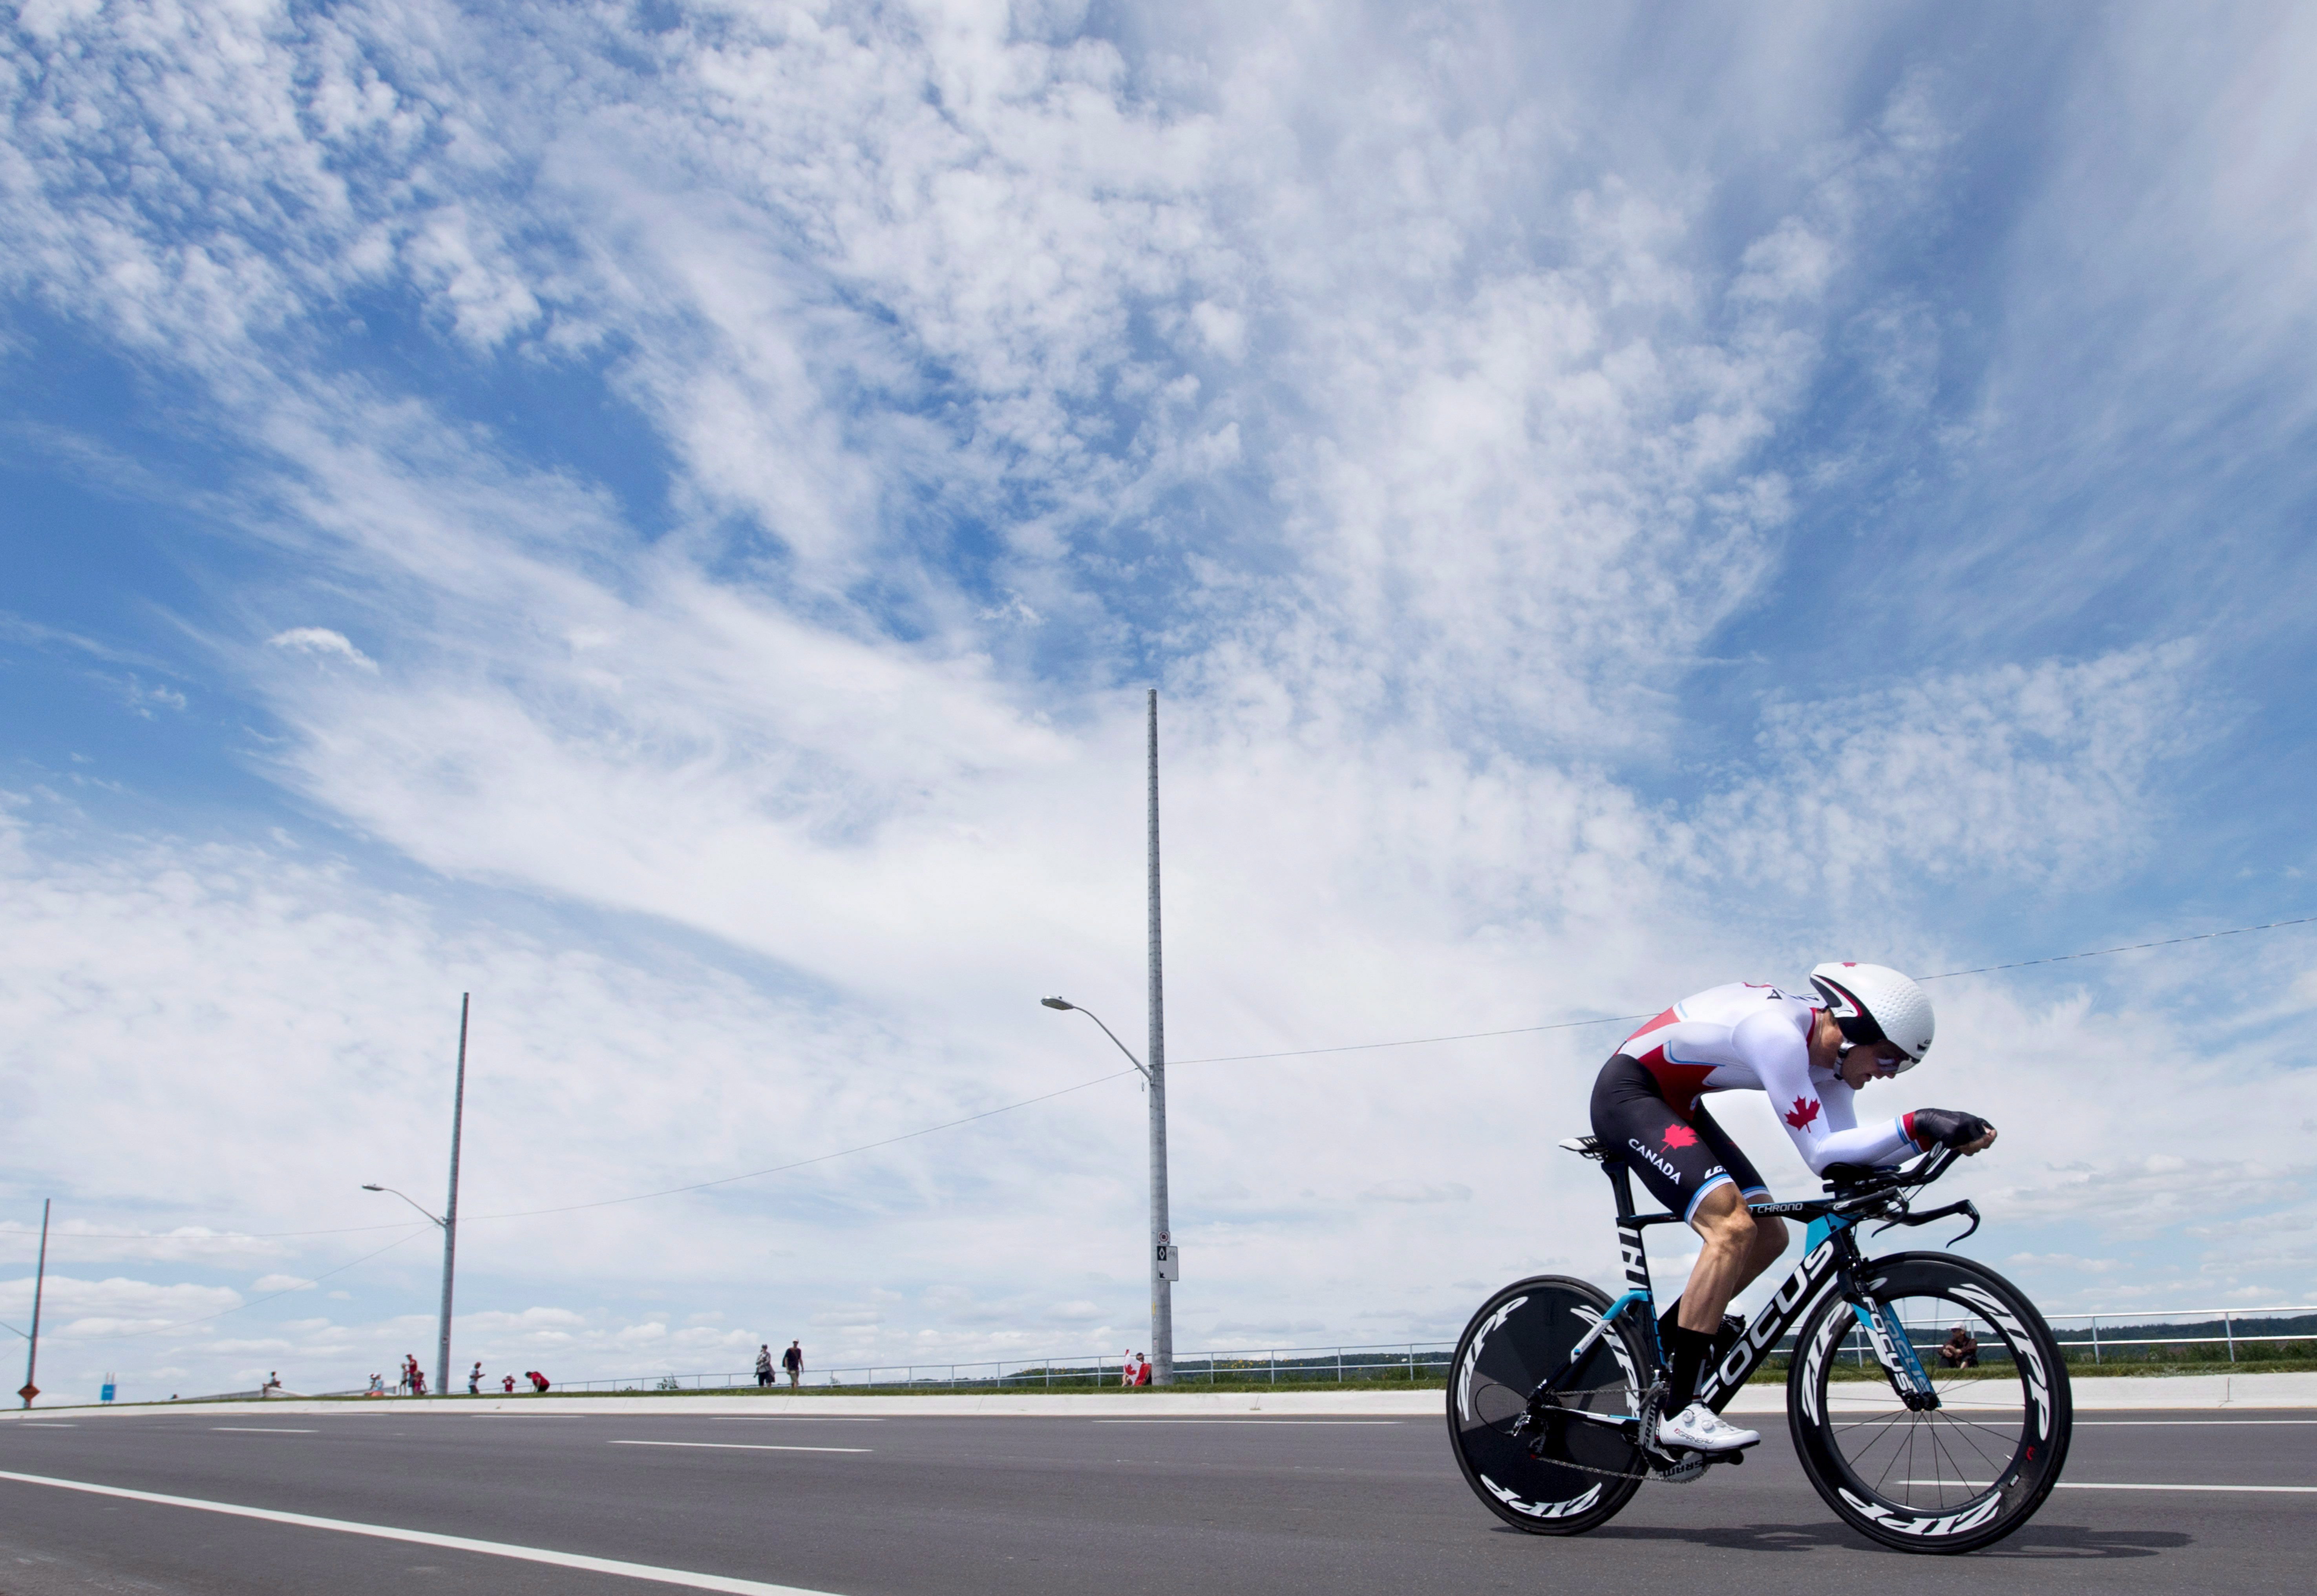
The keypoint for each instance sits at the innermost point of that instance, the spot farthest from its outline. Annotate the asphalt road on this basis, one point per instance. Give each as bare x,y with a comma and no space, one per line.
905,1506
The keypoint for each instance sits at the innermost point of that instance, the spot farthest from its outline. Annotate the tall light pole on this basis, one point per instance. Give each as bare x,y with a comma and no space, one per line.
1165,1258
448,1220
40,1279
1165,1266
451,1208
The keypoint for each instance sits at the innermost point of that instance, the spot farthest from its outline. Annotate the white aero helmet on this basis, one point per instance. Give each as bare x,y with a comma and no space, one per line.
1874,1003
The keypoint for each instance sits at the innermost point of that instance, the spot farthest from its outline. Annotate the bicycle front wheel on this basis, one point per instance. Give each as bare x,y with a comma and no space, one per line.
1554,1475
1952,1477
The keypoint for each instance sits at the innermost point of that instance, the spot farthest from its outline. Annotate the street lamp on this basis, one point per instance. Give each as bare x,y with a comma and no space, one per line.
1165,1258
442,1362
436,1219
1066,1005
448,1221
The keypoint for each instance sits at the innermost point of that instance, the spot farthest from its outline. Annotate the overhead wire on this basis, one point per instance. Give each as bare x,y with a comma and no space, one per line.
1115,1074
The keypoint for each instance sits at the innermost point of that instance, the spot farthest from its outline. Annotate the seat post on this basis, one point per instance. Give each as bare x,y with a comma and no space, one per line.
1630,1248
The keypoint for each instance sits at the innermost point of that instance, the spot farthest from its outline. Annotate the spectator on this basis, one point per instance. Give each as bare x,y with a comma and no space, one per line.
272,1383
1141,1369
764,1363
537,1381
1126,1369
417,1379
475,1379
1961,1350
793,1362
377,1385
507,1384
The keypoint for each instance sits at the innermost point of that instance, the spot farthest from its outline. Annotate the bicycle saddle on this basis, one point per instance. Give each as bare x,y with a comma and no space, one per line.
1587,1146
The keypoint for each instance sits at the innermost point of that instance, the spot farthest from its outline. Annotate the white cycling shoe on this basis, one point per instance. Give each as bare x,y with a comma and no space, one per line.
1697,1428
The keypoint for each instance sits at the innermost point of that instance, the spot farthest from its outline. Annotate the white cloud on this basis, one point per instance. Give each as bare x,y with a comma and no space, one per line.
1409,412
322,642
2040,771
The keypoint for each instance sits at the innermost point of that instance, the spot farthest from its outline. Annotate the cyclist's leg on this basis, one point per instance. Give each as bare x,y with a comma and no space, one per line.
1726,1231
1737,1246
1684,1170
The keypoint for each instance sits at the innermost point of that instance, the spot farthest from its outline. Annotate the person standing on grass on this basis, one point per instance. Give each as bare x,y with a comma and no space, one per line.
764,1363
1126,1369
793,1362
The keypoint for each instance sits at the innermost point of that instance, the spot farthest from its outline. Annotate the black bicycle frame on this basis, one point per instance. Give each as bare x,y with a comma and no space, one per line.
1829,1262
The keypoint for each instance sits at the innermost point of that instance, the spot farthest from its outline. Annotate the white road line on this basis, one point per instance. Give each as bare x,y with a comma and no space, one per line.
2183,1423
456,1543
2273,1490
260,1429
1249,1423
2102,1486
736,1446
43,1424
790,1419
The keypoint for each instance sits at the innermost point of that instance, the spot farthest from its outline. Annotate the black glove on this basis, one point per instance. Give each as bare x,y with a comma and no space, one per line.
1947,1128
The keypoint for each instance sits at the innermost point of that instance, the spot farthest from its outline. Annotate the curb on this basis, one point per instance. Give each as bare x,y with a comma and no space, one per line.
2206,1393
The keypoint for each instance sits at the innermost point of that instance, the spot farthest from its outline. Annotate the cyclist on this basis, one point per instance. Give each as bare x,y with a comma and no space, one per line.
1864,1023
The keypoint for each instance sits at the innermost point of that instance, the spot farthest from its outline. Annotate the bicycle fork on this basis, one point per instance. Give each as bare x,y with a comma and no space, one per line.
1884,1334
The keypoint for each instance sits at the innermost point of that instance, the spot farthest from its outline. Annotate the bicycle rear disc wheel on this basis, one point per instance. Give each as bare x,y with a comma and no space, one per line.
1569,1476
1954,1477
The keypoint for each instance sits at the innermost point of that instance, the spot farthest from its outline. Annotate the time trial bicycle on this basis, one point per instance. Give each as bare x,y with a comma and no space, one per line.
1555,1390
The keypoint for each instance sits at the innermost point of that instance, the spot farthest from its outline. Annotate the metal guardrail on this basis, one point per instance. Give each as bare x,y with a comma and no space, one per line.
2228,1318
1404,1361
1383,1361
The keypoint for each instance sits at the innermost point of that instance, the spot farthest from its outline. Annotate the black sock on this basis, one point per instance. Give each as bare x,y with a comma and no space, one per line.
1691,1347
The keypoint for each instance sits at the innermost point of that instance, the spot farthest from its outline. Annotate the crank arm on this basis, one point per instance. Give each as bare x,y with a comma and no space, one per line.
1624,1422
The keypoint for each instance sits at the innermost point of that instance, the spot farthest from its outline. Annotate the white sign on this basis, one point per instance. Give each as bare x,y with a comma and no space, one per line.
1170,1262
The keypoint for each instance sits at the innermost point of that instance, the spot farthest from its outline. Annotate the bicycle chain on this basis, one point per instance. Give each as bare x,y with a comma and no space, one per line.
1674,1474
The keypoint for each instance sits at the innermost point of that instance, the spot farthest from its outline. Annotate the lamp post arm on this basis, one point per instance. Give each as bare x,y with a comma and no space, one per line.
412,1202
1114,1042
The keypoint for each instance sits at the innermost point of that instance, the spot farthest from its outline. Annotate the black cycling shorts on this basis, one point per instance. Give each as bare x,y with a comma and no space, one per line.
1679,1156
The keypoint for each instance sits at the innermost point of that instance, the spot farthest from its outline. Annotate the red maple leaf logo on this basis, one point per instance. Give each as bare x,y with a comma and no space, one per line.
1803,1113
1680,1136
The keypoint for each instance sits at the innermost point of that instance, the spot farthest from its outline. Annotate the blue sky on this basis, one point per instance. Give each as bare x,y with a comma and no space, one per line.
661,516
